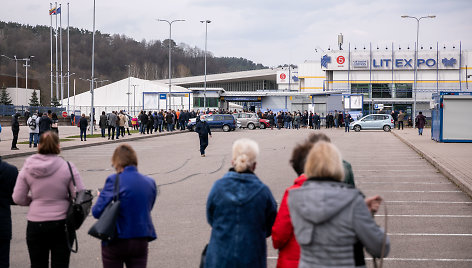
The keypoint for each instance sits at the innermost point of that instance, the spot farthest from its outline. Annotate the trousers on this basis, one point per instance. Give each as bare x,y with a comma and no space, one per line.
4,253
44,238
133,252
203,143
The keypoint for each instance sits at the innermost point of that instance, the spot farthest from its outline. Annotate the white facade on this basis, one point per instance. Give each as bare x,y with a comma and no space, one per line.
22,96
147,95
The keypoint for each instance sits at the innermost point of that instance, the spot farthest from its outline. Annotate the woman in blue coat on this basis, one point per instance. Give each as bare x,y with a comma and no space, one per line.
134,225
241,211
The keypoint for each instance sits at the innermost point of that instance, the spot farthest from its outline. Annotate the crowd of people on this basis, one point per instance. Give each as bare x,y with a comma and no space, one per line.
322,220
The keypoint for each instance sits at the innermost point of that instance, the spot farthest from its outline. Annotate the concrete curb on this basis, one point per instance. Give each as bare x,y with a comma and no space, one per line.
464,186
146,136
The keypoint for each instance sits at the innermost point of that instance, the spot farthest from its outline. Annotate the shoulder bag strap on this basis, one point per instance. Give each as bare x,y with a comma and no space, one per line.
72,178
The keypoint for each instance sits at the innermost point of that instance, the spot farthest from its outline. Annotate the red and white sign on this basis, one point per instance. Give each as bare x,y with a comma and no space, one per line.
340,60
64,114
283,76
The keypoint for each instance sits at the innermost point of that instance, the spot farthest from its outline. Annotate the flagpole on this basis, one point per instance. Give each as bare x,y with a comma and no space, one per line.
57,63
68,58
60,35
50,30
93,66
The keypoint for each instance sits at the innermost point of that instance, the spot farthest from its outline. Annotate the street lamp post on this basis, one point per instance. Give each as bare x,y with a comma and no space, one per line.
205,82
415,85
92,113
129,84
26,65
134,99
170,55
16,67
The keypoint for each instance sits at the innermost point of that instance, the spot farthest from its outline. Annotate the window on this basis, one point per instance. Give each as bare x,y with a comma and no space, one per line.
360,89
211,102
218,118
381,91
403,90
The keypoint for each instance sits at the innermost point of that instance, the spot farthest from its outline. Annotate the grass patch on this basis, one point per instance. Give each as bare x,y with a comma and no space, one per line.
99,135
60,140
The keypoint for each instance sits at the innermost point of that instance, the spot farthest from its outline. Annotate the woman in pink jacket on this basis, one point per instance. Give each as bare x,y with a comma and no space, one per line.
43,185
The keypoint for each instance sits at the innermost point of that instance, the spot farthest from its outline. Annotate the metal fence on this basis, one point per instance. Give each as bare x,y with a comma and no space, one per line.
7,110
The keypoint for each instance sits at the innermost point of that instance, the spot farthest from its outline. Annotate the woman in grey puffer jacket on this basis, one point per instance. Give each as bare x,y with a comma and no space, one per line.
330,219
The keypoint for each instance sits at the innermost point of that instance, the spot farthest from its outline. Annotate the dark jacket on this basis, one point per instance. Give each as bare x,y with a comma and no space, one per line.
420,121
329,218
137,196
44,124
83,123
103,121
15,125
169,118
241,211
8,174
202,128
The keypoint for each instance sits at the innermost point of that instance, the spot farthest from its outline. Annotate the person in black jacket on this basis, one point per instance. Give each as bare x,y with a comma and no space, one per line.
83,127
102,123
203,130
15,128
8,174
45,124
150,122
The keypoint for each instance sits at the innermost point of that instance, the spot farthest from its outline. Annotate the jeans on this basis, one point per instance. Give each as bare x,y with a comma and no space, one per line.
112,129
34,137
117,132
420,131
400,123
103,132
169,127
346,127
47,237
84,132
15,140
203,143
133,252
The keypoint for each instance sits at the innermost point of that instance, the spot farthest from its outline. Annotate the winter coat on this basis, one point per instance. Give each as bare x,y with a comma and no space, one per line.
47,177
401,117
8,174
329,218
36,119
283,237
44,124
121,120
202,128
169,118
420,121
241,211
83,123
102,123
137,197
112,120
15,125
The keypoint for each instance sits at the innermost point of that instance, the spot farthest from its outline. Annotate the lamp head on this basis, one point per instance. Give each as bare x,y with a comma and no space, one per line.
432,16
405,16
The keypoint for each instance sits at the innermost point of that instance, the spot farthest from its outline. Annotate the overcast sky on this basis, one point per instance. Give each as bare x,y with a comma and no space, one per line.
269,32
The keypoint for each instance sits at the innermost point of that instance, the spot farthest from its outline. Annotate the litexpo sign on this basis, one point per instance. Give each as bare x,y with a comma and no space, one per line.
409,63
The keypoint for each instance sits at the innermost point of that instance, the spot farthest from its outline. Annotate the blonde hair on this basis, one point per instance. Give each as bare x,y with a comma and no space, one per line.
245,152
324,160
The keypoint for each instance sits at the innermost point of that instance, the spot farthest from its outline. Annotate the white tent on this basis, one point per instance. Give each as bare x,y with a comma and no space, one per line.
141,94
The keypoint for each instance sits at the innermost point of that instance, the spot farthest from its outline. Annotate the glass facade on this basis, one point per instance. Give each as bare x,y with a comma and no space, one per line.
211,102
403,90
383,90
251,85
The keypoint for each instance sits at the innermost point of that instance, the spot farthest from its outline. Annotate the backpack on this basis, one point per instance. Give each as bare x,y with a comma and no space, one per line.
32,123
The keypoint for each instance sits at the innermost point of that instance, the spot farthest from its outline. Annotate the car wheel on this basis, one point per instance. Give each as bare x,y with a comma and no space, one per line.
357,128
263,126
251,126
226,128
386,128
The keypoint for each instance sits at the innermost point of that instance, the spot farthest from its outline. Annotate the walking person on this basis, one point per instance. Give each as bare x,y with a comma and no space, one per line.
120,124
347,121
8,174
203,130
55,123
127,123
401,117
83,124
150,123
240,210
271,120
322,212
15,128
33,124
102,123
43,184
420,122
137,195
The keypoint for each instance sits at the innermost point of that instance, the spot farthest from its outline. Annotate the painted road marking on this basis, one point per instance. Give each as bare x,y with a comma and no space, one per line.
430,202
427,216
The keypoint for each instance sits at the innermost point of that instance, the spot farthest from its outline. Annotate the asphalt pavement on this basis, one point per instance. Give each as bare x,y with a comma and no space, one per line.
429,218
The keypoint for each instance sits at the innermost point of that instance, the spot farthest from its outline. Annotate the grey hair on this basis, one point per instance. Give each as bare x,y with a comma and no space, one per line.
245,152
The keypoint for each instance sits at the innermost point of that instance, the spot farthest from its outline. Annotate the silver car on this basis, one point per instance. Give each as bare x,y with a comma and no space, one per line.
373,121
249,120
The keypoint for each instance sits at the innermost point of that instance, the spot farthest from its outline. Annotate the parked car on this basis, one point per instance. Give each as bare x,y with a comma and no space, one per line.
264,123
223,121
249,120
373,121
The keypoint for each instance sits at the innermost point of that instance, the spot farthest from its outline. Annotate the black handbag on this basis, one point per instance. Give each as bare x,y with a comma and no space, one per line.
78,210
105,227
202,259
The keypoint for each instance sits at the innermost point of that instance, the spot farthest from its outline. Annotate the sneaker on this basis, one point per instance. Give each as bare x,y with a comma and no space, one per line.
30,145
16,148
203,155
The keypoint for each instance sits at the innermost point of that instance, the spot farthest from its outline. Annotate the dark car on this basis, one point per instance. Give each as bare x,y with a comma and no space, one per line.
223,121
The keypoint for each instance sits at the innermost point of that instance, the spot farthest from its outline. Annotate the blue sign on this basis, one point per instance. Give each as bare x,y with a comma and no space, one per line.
409,63
450,62
162,96
325,60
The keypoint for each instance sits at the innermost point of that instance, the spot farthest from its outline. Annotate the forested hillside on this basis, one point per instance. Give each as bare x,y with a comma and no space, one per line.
148,59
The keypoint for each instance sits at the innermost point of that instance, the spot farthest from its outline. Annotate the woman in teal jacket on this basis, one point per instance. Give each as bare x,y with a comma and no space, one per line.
134,225
241,211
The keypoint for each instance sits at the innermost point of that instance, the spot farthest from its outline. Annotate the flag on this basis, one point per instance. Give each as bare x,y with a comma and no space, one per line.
52,11
58,11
